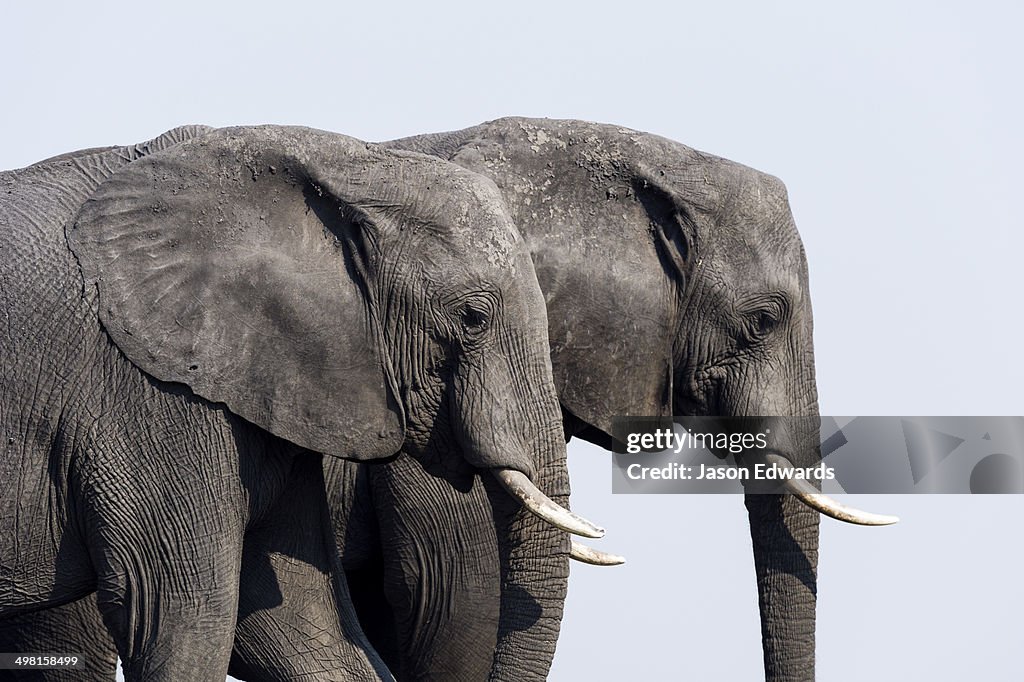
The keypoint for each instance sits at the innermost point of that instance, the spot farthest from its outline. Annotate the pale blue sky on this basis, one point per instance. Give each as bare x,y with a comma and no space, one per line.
896,127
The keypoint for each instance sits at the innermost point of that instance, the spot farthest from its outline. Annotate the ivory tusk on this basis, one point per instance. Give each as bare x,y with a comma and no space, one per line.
824,504
594,557
522,488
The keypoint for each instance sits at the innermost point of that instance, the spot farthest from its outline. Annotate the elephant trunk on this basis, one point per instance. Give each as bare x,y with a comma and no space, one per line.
784,534
534,578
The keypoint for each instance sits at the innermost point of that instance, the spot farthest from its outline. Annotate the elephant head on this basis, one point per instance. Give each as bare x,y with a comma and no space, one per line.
675,283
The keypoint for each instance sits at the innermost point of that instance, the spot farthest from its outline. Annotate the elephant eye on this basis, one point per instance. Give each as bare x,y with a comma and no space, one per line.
761,324
474,320
471,316
765,323
761,316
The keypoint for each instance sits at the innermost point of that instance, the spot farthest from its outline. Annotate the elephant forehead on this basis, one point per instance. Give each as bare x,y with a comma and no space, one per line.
753,195
484,230
749,268
750,207
460,208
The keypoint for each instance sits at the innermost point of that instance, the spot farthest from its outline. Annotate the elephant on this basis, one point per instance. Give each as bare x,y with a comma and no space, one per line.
676,284
193,325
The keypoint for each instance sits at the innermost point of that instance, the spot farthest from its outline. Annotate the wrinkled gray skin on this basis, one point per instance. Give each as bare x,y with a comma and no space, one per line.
676,283
253,298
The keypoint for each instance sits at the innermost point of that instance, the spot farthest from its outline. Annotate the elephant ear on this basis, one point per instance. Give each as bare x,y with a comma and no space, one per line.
612,254
229,263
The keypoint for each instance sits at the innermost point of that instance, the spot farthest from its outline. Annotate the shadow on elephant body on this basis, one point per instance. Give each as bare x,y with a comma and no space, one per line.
439,620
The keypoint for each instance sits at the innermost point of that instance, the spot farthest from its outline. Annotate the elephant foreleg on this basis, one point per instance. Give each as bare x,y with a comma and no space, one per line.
172,621
73,628
166,551
441,570
295,615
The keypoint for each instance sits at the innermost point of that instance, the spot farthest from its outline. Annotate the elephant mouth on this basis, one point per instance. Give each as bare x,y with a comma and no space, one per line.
823,504
519,486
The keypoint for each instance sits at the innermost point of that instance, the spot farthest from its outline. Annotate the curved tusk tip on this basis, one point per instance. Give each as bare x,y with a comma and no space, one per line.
594,557
585,529
522,488
856,517
823,504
